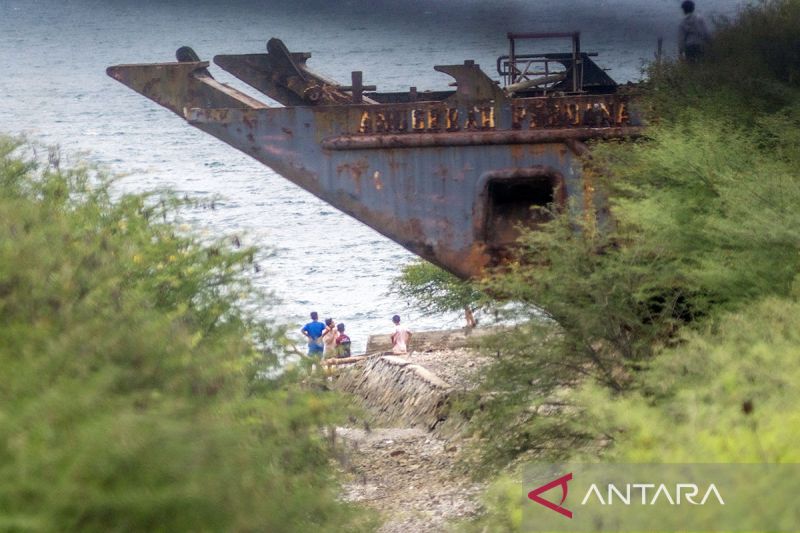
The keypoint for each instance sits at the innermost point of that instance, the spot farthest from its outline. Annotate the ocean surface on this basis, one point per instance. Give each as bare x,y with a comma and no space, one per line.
54,91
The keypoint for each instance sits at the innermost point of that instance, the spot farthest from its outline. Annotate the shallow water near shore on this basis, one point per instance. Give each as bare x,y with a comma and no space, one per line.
55,91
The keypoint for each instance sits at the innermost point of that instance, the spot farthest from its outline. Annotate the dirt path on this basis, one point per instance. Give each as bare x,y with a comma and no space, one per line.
411,476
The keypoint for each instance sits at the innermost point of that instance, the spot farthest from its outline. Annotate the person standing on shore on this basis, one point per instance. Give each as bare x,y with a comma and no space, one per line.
342,342
693,35
329,335
312,332
400,338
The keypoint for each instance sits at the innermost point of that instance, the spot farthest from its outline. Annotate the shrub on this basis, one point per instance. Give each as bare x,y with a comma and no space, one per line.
704,224
434,290
133,395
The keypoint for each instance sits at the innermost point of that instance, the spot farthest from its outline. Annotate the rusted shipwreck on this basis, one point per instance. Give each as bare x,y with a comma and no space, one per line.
450,175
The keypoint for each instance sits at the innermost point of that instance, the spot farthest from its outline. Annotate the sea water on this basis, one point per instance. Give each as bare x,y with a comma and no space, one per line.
54,90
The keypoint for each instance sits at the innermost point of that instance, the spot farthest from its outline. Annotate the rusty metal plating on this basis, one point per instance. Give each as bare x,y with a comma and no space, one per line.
450,175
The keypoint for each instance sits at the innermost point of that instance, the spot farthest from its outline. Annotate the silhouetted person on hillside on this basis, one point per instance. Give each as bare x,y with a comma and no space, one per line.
693,35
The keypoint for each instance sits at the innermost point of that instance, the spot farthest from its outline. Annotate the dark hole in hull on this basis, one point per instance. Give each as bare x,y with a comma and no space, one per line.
513,202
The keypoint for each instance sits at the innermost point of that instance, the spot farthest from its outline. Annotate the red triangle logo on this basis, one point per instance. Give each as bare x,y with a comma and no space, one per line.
562,482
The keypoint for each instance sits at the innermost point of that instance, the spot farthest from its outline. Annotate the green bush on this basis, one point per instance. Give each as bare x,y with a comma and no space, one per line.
433,290
705,222
762,45
752,67
133,394
673,336
727,394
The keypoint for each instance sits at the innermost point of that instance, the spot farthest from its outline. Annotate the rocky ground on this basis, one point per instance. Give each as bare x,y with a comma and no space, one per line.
411,476
460,367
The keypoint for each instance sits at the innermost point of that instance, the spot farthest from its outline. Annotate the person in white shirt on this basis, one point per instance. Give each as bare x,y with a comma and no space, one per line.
693,35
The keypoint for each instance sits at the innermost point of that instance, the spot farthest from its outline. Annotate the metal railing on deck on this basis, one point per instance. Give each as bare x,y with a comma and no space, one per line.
537,70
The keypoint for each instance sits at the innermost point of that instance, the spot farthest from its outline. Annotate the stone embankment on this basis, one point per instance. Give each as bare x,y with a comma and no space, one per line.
426,341
397,391
393,461
410,390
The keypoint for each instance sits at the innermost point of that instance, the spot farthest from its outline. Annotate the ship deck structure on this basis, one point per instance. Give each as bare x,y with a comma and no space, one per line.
450,175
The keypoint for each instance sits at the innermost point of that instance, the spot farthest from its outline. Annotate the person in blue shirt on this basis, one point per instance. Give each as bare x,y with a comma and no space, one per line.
313,332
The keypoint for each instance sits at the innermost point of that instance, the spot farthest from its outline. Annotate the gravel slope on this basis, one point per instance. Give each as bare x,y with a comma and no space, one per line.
411,476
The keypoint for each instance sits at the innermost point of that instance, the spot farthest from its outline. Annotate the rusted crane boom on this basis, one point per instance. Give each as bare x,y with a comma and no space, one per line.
449,175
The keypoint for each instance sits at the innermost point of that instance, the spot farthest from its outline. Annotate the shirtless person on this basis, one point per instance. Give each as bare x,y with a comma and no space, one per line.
400,337
329,335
